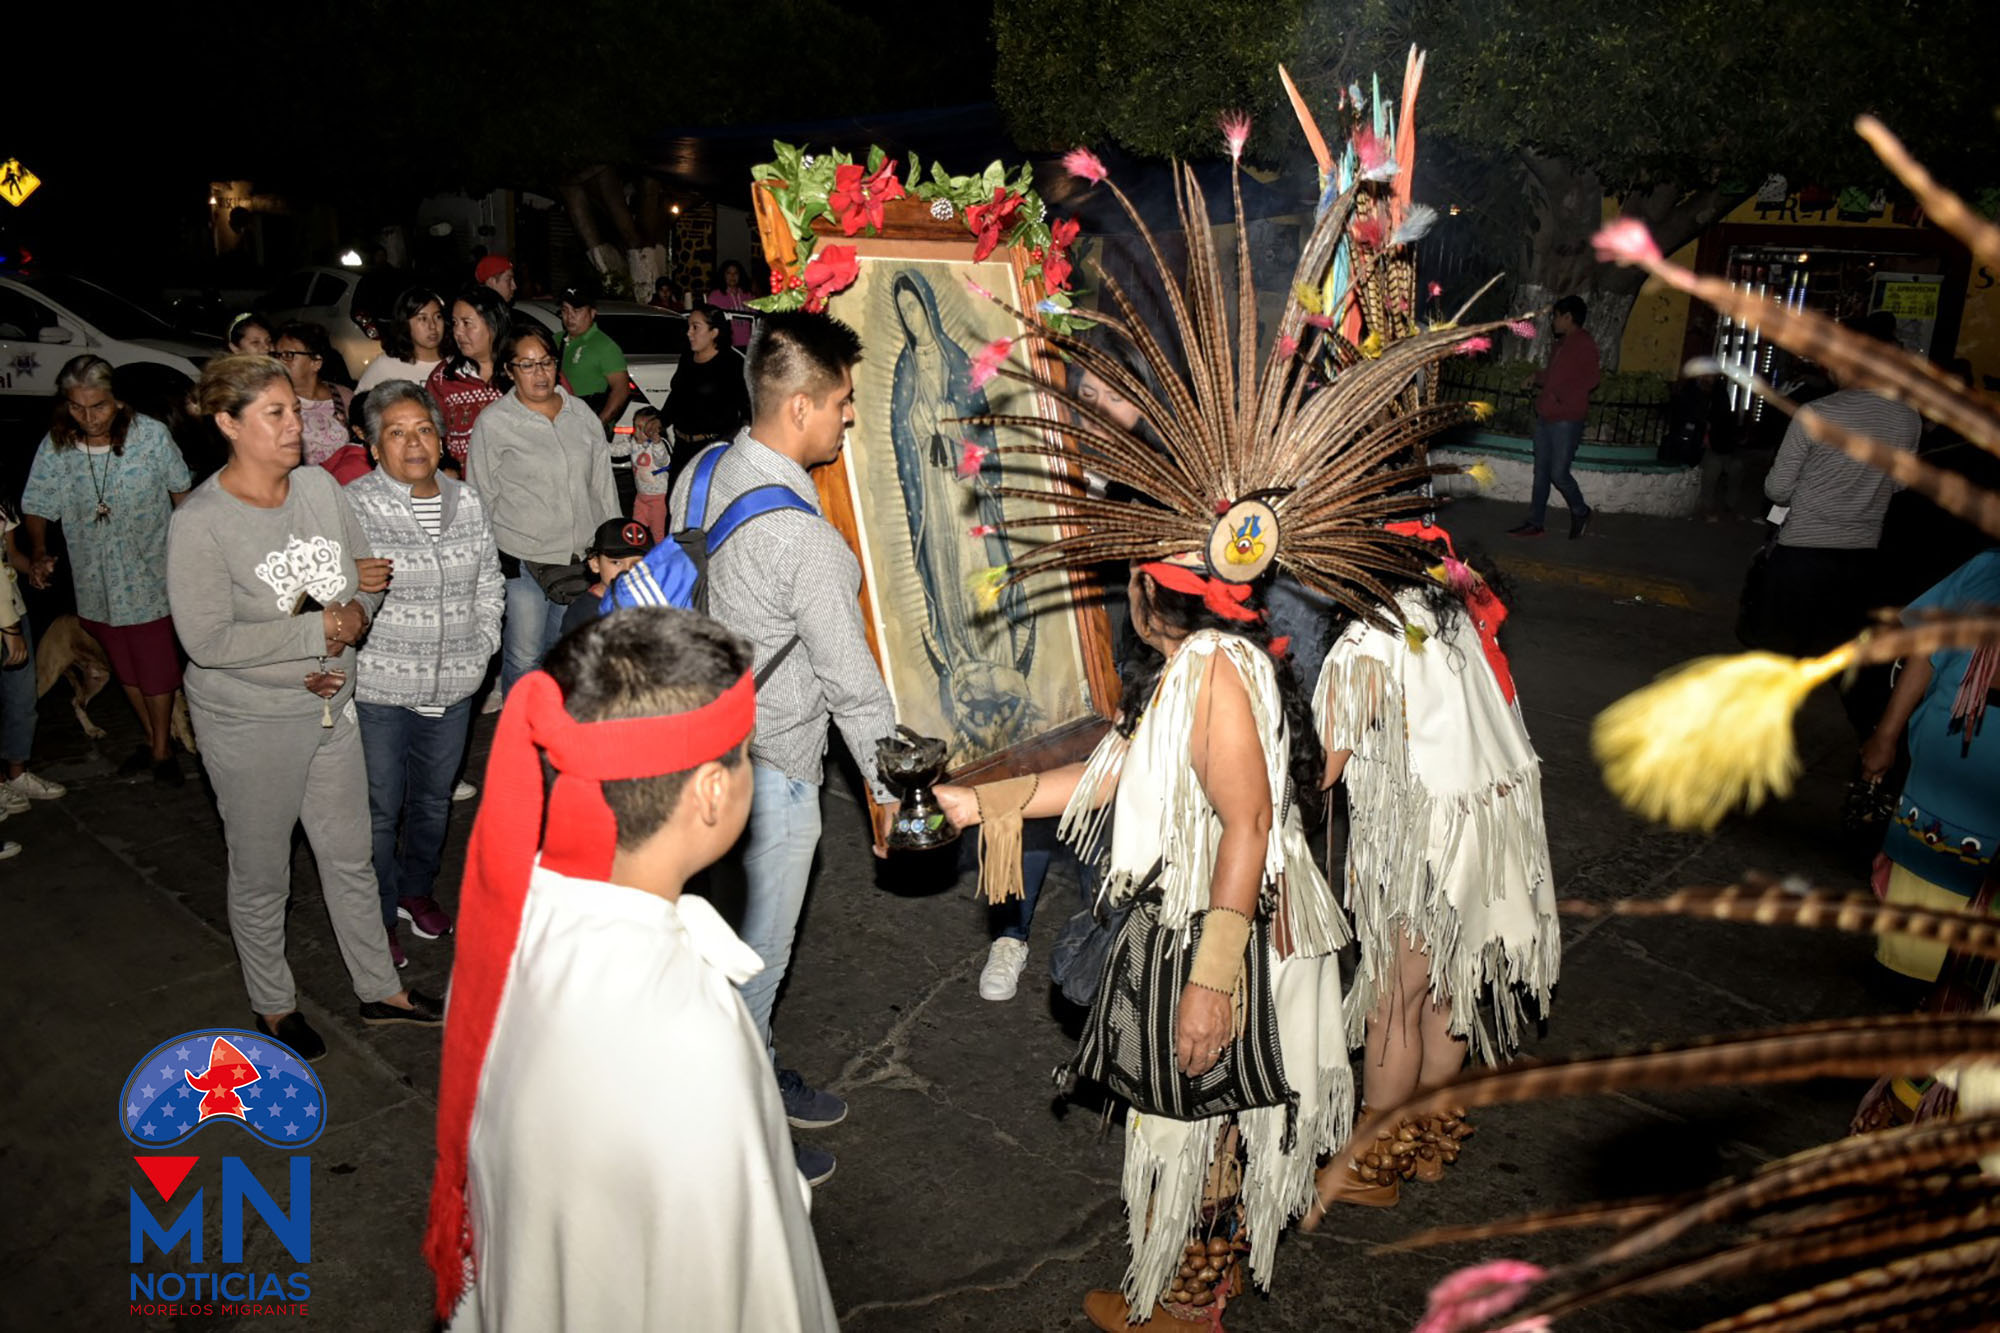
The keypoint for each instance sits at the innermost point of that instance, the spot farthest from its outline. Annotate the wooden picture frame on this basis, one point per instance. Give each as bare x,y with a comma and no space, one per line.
1072,603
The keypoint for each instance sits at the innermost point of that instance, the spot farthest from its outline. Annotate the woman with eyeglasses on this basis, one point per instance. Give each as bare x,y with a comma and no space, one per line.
304,350
538,461
112,477
470,379
412,341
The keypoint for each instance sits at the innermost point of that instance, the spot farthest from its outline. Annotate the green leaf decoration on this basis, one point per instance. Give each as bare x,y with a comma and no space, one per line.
874,158
934,822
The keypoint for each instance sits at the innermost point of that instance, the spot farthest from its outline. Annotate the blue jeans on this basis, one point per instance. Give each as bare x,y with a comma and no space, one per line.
777,866
17,705
411,763
1012,920
1556,443
533,625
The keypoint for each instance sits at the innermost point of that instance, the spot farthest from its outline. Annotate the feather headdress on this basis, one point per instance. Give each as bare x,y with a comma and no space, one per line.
1292,458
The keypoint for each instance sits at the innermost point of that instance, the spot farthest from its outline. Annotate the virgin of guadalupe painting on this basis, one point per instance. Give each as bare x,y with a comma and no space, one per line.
986,674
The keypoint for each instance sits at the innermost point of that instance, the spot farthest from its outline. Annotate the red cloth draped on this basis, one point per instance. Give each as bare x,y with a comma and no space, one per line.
581,836
1488,612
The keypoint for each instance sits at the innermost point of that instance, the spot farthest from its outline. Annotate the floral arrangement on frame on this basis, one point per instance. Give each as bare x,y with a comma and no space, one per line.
998,207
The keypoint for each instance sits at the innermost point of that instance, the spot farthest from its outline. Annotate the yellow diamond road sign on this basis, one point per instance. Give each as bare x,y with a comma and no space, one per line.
17,182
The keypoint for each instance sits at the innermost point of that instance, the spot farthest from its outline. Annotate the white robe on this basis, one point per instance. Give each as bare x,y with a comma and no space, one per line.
630,1167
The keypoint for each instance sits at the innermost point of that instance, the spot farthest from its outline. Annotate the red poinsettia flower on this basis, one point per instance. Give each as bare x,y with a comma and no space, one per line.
991,222
833,269
857,195
1055,263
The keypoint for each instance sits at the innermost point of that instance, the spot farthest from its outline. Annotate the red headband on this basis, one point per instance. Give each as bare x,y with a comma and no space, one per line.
1225,599
1485,606
580,838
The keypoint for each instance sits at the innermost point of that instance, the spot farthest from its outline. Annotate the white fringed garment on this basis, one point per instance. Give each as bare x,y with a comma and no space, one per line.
1164,816
1446,839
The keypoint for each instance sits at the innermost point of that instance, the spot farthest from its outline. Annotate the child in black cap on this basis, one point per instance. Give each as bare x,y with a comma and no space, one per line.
618,544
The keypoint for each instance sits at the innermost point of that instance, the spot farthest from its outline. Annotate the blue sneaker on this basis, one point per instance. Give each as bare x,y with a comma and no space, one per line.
806,1107
815,1164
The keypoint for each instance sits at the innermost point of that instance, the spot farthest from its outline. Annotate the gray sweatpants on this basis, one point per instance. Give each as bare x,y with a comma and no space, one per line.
268,776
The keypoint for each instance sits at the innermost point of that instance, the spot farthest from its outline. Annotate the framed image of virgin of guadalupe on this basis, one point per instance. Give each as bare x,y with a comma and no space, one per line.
1012,683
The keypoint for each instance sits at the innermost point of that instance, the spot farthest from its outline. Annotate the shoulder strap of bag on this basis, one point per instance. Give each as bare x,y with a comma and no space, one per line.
770,668
704,473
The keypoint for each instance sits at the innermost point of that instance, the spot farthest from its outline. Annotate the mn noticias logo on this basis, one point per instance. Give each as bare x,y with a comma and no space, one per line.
194,1082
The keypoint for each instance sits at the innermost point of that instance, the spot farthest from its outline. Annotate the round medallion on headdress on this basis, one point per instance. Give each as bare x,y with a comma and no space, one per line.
1243,542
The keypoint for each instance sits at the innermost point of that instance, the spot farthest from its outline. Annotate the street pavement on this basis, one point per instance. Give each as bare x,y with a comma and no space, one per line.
966,1197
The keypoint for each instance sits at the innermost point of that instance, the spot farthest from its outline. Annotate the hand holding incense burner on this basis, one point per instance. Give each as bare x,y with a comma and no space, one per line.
912,764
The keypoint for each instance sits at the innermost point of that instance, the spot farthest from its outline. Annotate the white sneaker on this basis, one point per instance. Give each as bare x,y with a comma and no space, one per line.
8,849
1002,974
464,791
492,704
11,801
36,788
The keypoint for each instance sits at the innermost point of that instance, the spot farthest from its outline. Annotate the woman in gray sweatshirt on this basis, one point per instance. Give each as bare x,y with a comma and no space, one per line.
538,460
270,586
427,650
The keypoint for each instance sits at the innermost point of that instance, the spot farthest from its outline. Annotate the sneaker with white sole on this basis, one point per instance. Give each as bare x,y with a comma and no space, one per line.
1002,975
464,791
36,787
9,848
11,801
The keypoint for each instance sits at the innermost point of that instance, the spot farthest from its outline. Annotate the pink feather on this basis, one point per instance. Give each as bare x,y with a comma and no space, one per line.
977,290
1472,1296
971,458
987,363
981,530
1522,328
1320,321
1084,165
1368,148
1235,132
1625,241
1436,289
1287,348
1458,574
1474,346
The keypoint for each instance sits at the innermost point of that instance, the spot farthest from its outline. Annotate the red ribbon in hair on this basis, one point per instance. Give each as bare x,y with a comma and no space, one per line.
1481,602
581,836
1225,599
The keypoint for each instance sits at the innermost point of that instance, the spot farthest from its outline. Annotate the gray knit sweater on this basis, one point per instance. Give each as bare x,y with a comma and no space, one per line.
440,621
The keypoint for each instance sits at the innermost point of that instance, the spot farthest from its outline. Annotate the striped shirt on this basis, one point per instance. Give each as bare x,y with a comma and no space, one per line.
791,572
430,513
1835,501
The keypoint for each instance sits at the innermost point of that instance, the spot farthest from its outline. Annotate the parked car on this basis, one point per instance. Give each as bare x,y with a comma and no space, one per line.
47,318
653,340
346,302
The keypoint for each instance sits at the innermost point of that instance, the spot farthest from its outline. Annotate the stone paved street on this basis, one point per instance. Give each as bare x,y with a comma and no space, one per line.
962,1200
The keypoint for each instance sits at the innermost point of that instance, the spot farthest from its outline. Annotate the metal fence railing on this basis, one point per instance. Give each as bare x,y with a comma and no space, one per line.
1637,422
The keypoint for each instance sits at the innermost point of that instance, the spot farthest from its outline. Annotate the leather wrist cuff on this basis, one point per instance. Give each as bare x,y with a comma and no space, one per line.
1218,958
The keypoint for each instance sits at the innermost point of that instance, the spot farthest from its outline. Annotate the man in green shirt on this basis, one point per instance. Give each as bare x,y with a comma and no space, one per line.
593,366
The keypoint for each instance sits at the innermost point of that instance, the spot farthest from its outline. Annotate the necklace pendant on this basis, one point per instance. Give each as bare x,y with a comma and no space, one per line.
103,512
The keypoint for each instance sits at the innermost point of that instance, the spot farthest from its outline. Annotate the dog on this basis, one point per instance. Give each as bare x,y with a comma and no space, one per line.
67,651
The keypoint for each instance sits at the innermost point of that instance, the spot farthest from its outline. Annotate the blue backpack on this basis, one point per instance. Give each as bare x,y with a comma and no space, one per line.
675,573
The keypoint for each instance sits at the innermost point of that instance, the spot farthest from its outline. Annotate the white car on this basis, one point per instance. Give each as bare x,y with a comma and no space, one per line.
326,296
653,340
47,318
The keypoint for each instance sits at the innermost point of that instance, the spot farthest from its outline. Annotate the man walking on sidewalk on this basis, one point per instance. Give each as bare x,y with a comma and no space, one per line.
1559,411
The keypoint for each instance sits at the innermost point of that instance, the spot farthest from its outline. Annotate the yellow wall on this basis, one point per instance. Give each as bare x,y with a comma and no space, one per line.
1654,334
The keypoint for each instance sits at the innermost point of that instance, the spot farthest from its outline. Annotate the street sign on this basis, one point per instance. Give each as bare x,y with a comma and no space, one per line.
17,182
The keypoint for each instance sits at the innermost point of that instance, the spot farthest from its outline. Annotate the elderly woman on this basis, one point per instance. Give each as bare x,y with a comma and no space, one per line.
271,587
112,477
427,649
304,349
412,341
537,459
470,380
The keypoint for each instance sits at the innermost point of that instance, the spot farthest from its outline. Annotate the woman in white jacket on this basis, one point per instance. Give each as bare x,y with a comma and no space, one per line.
426,651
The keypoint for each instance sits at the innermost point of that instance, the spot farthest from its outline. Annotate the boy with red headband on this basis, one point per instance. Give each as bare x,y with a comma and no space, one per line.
612,1148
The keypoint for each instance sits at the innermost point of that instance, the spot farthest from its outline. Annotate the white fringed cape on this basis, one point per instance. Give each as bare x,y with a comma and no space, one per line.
1446,839
1164,816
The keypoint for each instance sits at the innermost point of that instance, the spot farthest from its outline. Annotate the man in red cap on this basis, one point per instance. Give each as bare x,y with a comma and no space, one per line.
612,1147
497,272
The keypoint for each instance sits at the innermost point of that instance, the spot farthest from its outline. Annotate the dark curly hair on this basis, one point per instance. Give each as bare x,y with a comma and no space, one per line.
1139,676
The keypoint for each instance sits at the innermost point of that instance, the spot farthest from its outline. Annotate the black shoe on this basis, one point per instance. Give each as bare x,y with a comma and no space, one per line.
815,1164
135,763
1579,522
167,772
1525,530
423,1011
295,1032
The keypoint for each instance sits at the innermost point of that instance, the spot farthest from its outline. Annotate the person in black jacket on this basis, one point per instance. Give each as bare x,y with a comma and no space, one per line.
710,399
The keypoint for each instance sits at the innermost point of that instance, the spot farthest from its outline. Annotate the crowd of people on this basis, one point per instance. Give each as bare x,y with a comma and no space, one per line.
336,598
